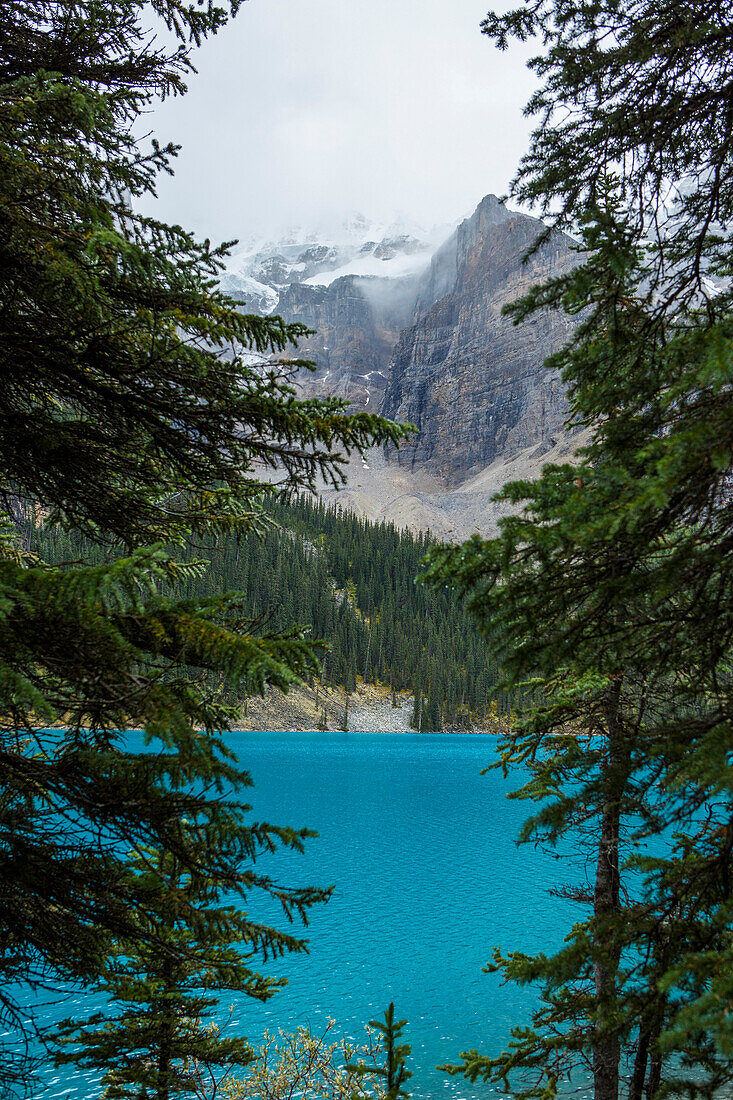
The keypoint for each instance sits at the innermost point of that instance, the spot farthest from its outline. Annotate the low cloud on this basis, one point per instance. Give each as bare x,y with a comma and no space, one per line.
308,110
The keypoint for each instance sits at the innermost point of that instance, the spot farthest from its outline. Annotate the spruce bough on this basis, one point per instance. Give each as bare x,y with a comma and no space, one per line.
608,592
130,411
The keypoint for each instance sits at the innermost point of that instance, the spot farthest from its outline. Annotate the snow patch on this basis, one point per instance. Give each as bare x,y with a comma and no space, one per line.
355,245
268,295
373,267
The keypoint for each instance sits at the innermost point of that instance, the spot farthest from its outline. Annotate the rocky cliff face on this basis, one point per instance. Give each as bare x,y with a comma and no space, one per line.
357,321
416,331
355,284
471,381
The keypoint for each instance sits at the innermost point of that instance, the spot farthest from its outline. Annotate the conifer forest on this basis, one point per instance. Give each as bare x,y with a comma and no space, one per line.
165,555
351,584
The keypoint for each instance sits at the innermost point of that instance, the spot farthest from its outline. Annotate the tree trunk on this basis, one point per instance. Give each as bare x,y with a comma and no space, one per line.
165,1036
655,1074
606,1044
369,649
636,1088
606,1047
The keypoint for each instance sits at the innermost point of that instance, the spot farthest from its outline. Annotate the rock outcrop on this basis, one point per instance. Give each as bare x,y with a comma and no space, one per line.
355,285
357,321
471,380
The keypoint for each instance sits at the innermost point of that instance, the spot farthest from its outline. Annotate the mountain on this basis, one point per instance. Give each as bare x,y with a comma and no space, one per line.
357,322
317,256
409,323
471,380
355,284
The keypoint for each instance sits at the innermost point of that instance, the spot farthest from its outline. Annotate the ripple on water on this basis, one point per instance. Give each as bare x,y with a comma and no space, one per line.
421,849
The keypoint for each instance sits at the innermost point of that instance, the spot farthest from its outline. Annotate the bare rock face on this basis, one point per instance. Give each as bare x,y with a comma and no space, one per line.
471,380
417,333
355,285
357,321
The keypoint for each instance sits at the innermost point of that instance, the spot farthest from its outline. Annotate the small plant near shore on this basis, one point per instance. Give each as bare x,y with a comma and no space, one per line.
394,1073
311,1067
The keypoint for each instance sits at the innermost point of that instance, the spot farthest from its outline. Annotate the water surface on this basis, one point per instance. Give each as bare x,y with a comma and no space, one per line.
428,878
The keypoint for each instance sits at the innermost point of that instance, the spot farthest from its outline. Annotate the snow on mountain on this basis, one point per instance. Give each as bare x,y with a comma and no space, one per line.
257,296
258,270
390,267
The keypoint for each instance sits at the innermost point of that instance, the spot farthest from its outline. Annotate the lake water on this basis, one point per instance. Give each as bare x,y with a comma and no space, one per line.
428,878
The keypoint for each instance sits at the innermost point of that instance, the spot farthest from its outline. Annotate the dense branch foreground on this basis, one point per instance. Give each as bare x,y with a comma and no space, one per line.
131,411
612,591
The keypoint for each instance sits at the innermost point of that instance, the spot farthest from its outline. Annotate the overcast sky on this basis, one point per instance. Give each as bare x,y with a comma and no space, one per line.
307,110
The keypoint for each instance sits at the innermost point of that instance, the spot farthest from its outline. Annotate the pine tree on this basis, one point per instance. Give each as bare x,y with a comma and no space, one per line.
418,710
130,412
611,592
158,1036
432,718
394,1073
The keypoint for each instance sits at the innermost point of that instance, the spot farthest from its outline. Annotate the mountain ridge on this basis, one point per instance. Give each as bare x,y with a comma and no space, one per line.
432,347
472,381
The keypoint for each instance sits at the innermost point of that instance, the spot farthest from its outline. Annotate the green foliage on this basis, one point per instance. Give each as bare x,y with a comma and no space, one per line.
394,1073
154,1035
131,413
610,592
120,357
391,629
347,581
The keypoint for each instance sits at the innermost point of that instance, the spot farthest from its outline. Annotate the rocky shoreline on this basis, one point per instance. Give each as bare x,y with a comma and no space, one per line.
370,710
309,707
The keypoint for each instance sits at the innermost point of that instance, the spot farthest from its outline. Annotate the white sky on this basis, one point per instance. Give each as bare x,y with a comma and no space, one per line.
307,110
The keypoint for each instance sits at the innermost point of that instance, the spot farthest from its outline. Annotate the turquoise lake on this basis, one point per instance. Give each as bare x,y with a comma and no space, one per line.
421,849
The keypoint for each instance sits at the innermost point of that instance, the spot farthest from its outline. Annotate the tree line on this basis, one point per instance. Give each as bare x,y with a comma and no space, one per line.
348,582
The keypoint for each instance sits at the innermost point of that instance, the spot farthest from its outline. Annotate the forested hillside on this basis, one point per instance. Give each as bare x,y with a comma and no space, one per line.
353,583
